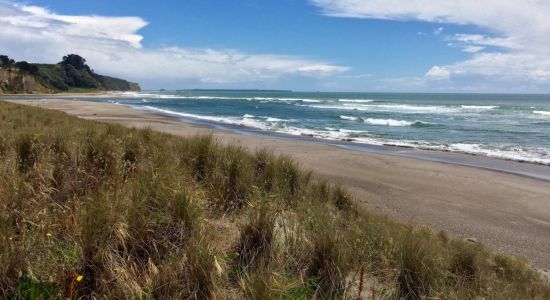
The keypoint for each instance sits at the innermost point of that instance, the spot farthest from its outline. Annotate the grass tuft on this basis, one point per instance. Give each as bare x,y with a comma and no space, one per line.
342,200
255,242
418,271
27,152
325,265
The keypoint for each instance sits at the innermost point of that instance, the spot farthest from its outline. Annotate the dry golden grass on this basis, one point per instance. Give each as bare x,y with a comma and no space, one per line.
91,210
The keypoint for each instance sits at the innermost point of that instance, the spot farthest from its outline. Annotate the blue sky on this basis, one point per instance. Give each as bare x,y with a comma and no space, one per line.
327,45
292,27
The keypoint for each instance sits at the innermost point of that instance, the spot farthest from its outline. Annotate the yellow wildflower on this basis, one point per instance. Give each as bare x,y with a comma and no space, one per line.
48,234
10,238
79,278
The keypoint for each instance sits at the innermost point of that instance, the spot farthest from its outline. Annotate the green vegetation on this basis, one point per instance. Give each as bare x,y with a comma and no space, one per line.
90,209
25,67
72,74
6,62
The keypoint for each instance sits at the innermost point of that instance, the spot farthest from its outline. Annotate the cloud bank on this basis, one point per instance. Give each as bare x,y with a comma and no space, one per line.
112,45
514,54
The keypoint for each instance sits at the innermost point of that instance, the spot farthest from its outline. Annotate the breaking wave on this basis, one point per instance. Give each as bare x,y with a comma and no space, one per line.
391,122
349,118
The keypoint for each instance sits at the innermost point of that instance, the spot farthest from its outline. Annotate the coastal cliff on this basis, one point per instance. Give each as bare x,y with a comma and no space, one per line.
16,82
72,74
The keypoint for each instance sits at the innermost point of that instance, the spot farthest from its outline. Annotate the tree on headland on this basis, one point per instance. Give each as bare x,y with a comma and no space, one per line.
24,66
77,73
6,62
77,61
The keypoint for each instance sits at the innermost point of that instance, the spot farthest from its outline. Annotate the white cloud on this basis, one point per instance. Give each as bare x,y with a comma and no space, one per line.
112,45
516,51
438,73
472,49
482,40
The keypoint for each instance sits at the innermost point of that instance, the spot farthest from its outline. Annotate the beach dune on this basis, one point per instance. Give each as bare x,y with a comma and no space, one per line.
507,211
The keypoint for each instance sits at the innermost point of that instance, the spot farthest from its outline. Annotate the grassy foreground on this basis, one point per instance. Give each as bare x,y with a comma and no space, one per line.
92,210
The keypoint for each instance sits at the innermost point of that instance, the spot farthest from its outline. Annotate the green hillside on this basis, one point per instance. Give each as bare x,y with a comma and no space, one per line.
72,74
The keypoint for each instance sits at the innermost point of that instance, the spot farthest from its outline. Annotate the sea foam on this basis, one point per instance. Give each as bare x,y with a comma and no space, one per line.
349,118
479,107
391,122
541,156
387,122
306,100
355,100
246,120
272,119
399,108
541,112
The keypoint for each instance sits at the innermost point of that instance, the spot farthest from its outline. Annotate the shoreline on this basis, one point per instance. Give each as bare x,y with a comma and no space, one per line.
516,167
519,165
506,211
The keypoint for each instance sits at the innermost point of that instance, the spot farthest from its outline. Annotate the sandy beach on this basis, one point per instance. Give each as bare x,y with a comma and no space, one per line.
509,212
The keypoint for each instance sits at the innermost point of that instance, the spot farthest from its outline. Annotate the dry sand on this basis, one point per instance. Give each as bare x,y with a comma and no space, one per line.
509,212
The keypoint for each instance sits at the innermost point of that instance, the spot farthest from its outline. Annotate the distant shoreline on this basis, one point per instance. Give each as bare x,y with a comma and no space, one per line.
507,211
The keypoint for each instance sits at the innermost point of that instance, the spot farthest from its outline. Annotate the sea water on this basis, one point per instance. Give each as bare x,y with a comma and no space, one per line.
513,127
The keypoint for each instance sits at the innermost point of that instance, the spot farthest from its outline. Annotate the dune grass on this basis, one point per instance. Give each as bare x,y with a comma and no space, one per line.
93,210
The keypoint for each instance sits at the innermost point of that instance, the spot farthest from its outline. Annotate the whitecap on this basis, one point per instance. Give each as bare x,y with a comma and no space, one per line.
216,98
479,107
355,100
541,112
244,121
387,122
271,119
274,99
349,118
400,108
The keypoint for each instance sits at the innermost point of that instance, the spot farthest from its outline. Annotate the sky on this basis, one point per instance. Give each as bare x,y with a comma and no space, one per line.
304,45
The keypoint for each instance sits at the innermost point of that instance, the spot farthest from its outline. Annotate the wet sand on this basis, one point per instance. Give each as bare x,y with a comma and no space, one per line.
507,211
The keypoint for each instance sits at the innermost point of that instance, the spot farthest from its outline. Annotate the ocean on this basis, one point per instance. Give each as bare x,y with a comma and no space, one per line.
512,127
